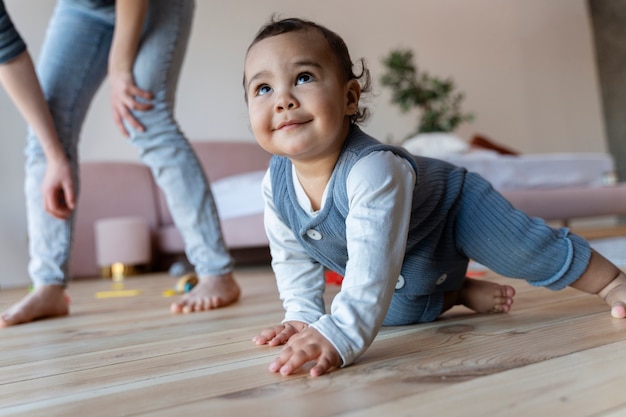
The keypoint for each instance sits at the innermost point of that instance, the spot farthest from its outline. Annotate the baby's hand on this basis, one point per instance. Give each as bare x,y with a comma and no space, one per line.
308,345
614,294
279,335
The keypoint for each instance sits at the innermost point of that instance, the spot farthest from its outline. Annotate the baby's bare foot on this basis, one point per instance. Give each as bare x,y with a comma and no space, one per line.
614,294
210,292
486,297
44,301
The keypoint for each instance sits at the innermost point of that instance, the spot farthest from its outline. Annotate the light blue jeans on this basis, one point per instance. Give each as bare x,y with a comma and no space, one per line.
72,66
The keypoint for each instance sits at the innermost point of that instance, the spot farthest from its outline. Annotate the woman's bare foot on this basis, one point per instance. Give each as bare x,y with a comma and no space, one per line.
614,294
486,297
210,292
44,301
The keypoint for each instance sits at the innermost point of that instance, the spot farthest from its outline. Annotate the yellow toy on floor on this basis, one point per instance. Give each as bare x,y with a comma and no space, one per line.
183,285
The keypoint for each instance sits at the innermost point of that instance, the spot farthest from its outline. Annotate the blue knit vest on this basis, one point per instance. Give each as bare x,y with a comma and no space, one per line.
431,260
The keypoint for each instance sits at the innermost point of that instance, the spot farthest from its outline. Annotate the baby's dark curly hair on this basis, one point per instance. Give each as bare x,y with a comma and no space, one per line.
280,26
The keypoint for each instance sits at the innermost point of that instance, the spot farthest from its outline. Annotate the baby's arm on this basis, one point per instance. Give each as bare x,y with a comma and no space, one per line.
299,279
380,189
377,223
605,279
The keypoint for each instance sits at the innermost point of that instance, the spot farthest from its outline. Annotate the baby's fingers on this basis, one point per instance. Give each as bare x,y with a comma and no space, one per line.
289,361
259,340
267,335
618,310
325,364
282,337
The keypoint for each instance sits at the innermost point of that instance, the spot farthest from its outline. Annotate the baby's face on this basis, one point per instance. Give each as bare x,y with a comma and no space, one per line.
297,103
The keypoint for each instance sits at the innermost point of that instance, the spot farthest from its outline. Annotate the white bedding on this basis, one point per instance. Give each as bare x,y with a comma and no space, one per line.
239,195
551,170
506,172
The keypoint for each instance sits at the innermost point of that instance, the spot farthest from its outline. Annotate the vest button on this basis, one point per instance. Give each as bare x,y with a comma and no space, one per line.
400,283
314,234
442,279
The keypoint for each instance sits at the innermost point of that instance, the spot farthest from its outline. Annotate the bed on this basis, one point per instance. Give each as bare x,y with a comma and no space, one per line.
553,186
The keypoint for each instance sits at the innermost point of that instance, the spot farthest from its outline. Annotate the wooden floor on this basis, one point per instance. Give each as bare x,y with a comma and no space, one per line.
555,354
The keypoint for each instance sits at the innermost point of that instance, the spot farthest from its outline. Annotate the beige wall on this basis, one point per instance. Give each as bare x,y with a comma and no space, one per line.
526,66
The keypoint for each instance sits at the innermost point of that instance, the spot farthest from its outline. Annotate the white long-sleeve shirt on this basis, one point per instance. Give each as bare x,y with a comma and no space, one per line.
380,188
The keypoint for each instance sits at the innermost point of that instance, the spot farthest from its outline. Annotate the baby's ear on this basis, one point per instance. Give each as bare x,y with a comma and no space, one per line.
353,94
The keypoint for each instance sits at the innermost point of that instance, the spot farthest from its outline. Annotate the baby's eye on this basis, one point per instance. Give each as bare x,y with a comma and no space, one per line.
263,89
304,78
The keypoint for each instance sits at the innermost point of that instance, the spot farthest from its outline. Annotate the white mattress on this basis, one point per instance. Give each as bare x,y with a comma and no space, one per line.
240,195
551,170
506,172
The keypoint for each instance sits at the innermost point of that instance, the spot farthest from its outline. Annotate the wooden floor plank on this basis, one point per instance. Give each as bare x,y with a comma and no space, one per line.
580,384
131,356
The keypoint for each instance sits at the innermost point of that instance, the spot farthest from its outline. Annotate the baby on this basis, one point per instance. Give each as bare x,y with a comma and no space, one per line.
400,228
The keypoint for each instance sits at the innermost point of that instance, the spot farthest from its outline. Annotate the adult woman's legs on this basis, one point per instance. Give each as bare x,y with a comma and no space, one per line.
175,167
72,65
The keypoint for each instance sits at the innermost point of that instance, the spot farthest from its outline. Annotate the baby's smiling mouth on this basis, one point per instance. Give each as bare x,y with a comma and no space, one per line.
290,124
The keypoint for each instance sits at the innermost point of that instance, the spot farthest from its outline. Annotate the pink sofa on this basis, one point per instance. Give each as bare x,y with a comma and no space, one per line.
120,189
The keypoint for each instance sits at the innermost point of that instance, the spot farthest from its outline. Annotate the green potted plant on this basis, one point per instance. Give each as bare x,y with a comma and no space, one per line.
437,99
